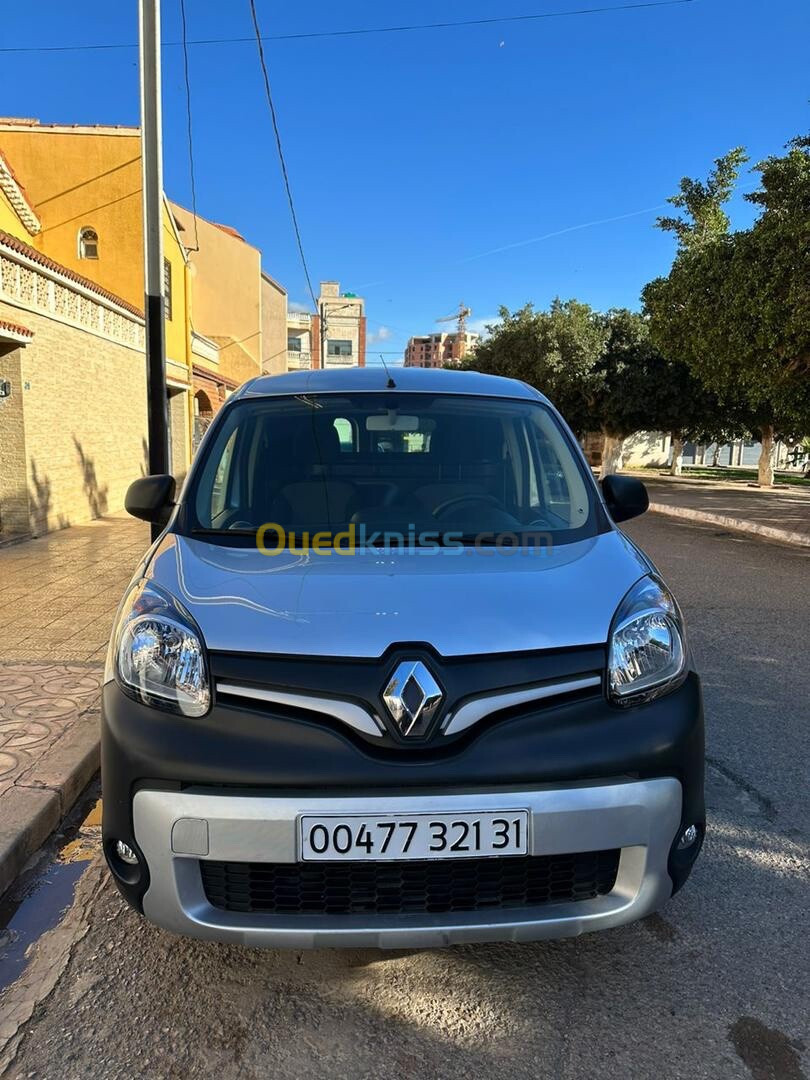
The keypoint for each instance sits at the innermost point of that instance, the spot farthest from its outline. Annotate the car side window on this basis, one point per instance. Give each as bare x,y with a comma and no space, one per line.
346,435
220,487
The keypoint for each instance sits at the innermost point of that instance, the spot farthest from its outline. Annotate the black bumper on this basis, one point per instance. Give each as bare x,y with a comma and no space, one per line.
255,749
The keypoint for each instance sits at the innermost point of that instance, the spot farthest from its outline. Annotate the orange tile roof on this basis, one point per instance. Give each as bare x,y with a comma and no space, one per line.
15,328
9,241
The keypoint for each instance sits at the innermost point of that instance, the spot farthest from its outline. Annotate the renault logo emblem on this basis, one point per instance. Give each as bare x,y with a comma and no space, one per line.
412,697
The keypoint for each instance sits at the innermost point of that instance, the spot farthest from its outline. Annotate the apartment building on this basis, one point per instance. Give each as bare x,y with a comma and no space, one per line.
338,330
439,350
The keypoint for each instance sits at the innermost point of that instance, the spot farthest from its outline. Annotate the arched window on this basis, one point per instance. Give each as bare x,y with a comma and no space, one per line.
88,243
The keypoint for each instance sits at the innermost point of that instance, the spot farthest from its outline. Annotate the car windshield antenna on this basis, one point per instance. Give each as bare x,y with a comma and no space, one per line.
390,385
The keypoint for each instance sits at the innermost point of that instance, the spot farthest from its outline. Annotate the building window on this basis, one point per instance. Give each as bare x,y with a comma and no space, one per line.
88,243
167,288
293,344
339,348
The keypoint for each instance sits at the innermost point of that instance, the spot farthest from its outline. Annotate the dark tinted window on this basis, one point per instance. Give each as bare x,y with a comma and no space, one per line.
393,462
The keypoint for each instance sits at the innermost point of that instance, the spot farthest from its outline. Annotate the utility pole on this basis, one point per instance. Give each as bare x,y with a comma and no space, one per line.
322,329
152,179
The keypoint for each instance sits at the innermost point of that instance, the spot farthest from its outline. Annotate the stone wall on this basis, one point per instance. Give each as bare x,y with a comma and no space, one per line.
13,480
84,402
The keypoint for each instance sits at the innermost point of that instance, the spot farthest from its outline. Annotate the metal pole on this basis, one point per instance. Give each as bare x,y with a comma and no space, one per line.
152,174
323,335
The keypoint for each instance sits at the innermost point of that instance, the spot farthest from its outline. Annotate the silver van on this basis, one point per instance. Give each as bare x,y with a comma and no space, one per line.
391,676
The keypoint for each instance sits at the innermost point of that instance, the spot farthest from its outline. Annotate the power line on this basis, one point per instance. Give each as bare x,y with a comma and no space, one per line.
189,125
357,31
274,118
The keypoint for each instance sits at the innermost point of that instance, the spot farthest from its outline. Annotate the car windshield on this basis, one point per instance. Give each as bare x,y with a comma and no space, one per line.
392,465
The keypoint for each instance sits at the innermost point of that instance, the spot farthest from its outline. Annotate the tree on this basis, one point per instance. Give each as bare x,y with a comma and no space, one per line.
643,390
706,220
735,306
556,351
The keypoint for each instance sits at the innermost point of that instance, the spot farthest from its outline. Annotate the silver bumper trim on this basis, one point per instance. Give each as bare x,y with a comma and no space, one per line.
465,716
346,712
640,817
471,712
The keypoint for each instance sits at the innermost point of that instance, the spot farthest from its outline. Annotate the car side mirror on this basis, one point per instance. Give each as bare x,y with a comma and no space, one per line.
151,498
626,497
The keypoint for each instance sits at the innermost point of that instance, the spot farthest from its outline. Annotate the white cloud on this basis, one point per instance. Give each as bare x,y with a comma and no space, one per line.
299,306
383,334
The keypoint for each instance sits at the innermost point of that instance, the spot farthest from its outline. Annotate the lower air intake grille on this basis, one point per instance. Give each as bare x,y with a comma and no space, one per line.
408,888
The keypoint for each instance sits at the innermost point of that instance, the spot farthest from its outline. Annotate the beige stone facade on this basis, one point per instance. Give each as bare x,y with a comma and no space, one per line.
73,428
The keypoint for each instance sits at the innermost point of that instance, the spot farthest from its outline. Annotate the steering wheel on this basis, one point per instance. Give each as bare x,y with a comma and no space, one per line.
472,496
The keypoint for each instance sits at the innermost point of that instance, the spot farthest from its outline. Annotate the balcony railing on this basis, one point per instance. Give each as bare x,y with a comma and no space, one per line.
298,360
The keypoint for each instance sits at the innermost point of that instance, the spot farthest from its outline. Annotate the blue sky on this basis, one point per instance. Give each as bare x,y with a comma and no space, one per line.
412,155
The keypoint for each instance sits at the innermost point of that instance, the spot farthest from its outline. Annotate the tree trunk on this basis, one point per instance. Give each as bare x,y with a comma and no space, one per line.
766,456
716,455
612,447
676,468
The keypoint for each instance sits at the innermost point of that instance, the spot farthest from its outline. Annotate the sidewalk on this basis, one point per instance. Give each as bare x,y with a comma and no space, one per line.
58,596
782,514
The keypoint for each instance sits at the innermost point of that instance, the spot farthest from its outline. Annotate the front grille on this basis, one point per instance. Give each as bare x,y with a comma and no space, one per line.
408,888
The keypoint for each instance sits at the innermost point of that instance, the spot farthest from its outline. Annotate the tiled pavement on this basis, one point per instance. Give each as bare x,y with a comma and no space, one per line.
58,596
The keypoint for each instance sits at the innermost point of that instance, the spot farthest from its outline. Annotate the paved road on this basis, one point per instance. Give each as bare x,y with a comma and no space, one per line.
715,986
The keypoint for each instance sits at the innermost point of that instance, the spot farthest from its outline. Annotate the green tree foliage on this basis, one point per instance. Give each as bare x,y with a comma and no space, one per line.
604,373
557,351
736,306
705,219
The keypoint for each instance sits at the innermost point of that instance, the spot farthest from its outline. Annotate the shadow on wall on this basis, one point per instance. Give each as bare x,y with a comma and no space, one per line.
95,494
39,502
15,521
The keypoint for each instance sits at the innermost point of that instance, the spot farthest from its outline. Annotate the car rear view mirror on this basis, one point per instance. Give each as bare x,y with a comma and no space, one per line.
626,497
392,421
151,498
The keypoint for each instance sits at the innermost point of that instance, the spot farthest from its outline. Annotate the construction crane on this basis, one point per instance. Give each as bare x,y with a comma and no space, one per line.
459,318
459,350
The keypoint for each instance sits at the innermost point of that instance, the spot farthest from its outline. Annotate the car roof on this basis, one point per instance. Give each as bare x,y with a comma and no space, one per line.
376,379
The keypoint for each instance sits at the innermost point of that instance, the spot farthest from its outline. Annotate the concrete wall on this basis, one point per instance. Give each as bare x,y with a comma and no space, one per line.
274,327
84,404
646,448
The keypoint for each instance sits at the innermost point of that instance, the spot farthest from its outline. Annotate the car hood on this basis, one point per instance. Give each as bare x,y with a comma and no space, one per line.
460,601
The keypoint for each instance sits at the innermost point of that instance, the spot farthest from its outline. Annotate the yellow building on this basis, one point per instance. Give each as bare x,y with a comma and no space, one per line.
84,185
73,194
227,313
72,383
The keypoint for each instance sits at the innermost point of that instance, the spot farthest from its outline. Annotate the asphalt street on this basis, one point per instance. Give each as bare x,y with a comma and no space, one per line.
716,985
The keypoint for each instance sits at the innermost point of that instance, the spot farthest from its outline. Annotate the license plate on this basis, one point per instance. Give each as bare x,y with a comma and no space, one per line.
387,837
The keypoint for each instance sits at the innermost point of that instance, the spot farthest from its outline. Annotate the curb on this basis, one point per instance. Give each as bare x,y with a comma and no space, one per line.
32,808
750,528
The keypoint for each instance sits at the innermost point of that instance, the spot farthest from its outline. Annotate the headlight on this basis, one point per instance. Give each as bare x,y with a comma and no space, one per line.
647,654
157,653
